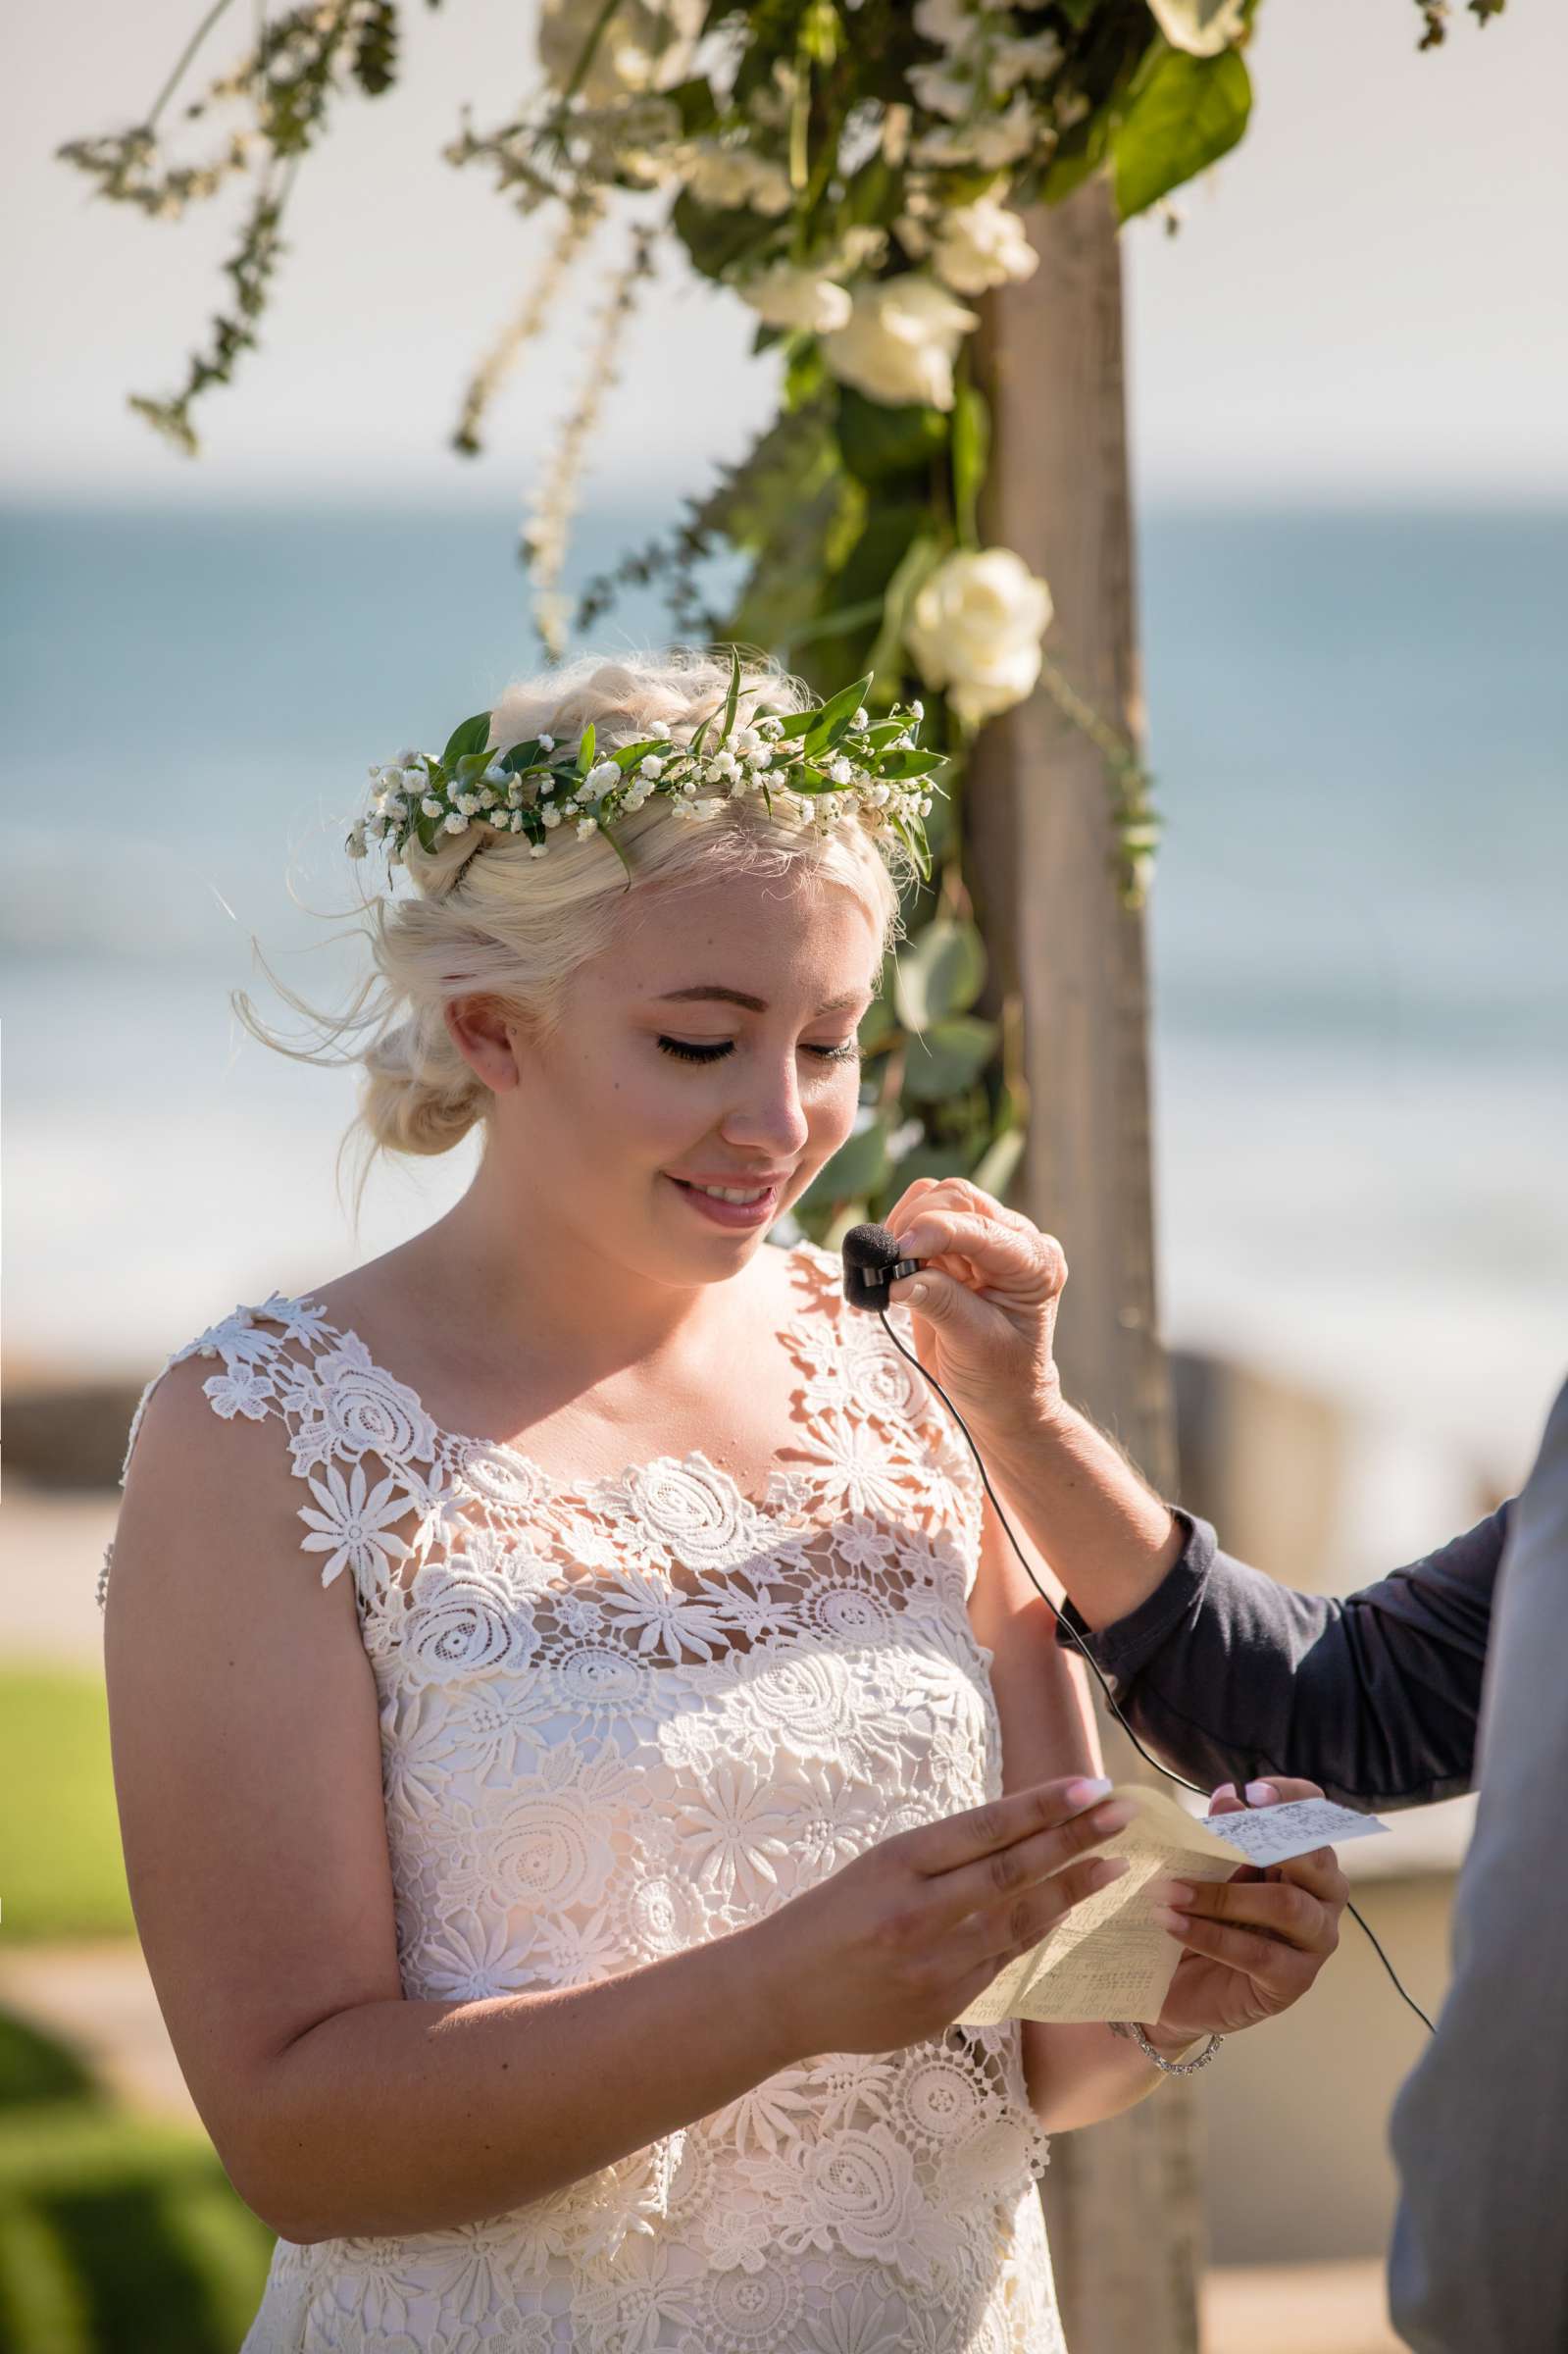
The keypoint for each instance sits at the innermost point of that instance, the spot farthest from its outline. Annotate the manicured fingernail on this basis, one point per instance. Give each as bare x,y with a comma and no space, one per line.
1169,1920
1108,1868
1224,1790
1175,1892
1261,1794
1084,1793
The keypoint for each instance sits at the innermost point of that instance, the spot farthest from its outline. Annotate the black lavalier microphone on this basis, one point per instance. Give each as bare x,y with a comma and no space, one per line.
873,1261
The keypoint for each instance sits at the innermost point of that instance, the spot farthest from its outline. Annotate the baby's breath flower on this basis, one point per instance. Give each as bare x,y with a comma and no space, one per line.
538,849
454,823
546,743
659,728
430,806
552,815
586,827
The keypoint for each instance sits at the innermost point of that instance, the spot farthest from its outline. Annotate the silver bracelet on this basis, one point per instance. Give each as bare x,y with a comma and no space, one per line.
1132,2032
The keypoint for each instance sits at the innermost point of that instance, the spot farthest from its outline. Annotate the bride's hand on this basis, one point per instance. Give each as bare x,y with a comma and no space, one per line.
986,1327
1254,1943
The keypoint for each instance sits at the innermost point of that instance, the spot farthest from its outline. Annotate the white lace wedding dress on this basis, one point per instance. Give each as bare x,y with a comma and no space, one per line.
621,1717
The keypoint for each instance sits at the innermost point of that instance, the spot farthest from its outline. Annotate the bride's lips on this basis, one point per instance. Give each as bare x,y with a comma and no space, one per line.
734,1215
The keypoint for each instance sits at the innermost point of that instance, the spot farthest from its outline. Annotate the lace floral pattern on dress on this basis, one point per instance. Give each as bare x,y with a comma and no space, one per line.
622,1717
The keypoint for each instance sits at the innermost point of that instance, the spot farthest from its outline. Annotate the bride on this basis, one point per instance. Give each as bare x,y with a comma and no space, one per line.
581,1744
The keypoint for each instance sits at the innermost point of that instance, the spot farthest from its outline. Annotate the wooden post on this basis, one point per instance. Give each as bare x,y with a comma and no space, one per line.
1121,2199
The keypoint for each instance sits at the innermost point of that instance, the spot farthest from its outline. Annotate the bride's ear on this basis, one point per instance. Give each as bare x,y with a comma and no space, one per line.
484,1032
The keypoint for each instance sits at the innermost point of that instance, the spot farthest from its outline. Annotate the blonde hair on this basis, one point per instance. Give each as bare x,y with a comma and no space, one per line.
504,925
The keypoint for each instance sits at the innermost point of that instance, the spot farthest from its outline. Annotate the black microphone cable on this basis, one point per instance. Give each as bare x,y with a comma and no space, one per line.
872,1262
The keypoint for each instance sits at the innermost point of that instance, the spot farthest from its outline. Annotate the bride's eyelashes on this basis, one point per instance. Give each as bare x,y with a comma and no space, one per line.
849,1051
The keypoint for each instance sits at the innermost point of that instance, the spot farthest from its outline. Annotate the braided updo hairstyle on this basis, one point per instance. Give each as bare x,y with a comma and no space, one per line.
514,928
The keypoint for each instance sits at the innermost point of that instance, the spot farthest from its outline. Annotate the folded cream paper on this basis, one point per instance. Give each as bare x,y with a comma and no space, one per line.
1108,1958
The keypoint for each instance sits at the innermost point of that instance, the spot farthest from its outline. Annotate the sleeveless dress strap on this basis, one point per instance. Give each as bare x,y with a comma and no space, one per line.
245,1385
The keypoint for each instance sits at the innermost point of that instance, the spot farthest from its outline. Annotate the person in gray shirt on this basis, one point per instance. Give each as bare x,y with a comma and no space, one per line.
1449,1668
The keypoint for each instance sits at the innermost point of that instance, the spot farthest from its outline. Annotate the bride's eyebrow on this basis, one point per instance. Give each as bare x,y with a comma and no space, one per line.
739,996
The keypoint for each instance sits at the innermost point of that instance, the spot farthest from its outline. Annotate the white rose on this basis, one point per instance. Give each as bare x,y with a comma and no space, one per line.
900,341
975,629
941,91
786,296
983,244
990,143
1031,59
1202,28
947,23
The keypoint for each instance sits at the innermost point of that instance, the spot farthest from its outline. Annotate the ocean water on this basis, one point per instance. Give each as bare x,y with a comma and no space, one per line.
1359,727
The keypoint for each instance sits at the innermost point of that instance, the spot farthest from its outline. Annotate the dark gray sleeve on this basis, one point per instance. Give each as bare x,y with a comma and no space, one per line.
1479,2262
1227,1675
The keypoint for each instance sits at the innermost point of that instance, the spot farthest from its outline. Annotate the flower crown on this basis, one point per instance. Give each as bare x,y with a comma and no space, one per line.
812,763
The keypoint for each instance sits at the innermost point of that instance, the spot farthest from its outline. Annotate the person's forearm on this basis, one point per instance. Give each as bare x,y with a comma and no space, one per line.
409,2116
1082,2075
1106,1533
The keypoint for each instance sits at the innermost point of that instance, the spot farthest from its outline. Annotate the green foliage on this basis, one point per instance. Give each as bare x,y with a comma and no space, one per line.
117,2235
1183,114
877,443
845,505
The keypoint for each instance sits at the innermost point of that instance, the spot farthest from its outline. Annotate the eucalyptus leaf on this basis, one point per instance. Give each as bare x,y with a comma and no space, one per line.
939,973
858,1167
948,1058
997,1165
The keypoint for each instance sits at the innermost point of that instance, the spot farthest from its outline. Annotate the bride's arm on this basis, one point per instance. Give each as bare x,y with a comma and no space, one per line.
1075,2074
247,1766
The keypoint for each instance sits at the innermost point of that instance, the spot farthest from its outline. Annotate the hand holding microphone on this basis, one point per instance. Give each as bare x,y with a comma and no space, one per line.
985,1322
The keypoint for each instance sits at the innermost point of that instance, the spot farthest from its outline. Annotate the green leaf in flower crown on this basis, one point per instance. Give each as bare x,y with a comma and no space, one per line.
877,441
898,768
913,842
626,755
734,696
519,757
468,766
948,1058
837,715
471,737
618,852
1181,113
585,751
941,972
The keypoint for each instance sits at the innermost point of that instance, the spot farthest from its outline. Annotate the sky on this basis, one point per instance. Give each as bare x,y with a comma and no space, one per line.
1364,303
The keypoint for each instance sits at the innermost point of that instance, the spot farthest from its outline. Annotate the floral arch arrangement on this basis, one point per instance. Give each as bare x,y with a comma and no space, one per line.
854,172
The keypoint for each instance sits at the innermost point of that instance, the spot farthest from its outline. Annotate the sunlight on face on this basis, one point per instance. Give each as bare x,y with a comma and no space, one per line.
640,1085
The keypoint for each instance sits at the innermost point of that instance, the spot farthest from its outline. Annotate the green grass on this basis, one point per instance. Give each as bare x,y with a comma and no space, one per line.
117,2236
62,1874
